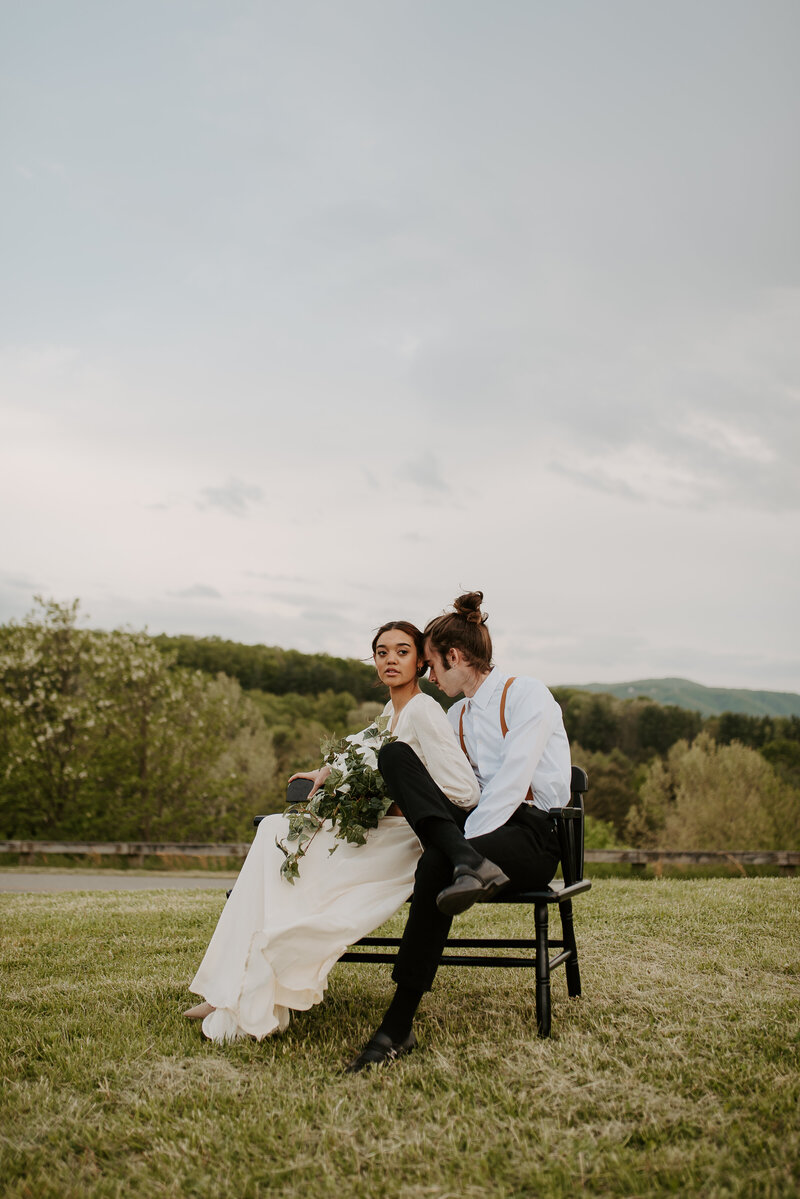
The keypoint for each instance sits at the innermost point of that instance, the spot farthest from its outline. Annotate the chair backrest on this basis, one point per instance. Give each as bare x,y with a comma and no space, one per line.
569,825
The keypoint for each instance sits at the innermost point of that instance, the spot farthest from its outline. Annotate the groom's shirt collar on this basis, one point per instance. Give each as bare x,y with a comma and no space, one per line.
483,696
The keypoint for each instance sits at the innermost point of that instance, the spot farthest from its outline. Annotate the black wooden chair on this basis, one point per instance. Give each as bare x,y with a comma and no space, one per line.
531,953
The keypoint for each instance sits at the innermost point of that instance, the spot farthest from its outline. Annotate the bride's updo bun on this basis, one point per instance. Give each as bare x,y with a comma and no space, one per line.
465,630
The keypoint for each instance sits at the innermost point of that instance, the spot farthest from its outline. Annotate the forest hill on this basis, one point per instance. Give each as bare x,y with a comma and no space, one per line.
122,735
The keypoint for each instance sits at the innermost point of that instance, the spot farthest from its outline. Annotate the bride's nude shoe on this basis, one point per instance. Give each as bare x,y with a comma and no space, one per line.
200,1011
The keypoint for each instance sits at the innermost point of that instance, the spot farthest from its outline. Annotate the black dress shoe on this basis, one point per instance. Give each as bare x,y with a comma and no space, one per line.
380,1050
471,885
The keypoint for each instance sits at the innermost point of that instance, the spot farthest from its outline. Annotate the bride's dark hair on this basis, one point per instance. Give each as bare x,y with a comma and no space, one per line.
465,630
405,626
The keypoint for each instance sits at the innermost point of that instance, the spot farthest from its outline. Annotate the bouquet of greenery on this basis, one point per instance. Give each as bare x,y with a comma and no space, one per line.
353,796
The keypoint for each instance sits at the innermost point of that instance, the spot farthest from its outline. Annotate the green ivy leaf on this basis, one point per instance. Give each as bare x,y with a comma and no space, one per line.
353,797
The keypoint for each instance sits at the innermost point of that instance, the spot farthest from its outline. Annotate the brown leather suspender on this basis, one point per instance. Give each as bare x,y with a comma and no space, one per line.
503,725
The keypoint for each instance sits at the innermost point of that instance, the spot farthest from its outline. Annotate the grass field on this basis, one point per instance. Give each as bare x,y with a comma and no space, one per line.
677,1073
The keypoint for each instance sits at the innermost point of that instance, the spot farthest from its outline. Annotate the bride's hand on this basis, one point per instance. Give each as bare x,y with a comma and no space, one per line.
317,777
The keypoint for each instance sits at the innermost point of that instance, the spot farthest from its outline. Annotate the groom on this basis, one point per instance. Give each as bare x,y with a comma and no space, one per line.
512,731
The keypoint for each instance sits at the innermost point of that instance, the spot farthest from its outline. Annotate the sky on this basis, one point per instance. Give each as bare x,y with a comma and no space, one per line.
314,315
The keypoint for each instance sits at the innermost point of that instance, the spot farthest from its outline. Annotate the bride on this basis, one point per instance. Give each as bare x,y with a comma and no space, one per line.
276,942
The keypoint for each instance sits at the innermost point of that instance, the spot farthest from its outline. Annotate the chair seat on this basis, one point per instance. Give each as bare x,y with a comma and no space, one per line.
557,892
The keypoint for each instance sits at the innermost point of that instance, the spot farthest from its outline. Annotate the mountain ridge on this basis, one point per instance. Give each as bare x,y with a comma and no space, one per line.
709,701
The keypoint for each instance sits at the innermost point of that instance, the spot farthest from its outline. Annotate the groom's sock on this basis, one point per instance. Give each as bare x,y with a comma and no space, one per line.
448,837
400,1013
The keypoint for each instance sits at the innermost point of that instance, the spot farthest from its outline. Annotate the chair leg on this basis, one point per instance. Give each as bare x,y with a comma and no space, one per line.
571,965
542,971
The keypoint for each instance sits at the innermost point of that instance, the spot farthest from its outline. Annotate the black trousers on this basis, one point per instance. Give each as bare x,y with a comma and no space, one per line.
525,848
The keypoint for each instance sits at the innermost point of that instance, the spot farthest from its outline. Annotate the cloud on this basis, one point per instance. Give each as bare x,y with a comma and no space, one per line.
296,600
332,619
708,387
727,439
20,584
233,497
597,479
16,596
425,471
197,591
299,305
276,578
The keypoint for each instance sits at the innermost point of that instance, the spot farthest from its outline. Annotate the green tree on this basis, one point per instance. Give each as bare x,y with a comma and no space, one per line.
268,668
783,756
100,737
589,719
638,727
194,763
716,797
612,786
299,723
754,731
54,699
599,834
660,726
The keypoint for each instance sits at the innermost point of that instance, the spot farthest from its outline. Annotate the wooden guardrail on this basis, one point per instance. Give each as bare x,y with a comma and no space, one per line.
129,849
787,859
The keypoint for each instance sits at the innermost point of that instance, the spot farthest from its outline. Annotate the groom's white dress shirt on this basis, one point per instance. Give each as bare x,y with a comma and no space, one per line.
534,753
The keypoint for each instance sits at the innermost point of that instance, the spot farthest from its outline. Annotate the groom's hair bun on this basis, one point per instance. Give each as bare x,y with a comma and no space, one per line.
469,606
465,630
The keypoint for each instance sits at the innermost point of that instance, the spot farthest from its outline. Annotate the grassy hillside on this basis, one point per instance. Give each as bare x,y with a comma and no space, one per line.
710,701
675,1074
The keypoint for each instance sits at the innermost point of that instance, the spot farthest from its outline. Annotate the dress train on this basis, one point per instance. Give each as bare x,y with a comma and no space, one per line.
276,942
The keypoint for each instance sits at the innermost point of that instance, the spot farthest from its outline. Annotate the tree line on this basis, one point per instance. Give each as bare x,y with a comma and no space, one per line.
601,722
123,736
641,758
268,668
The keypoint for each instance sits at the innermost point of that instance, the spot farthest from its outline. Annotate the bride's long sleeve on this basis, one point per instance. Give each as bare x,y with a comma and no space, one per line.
425,727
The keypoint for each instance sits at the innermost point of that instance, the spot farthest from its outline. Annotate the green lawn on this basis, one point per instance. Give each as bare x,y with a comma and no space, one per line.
676,1073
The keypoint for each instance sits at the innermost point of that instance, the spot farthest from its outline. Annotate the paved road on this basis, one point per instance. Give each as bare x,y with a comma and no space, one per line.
73,880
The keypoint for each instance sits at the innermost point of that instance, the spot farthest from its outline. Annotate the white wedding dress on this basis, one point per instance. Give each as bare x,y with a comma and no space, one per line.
276,942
